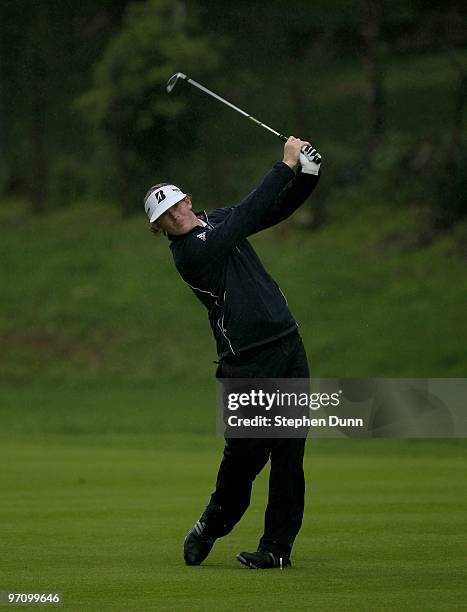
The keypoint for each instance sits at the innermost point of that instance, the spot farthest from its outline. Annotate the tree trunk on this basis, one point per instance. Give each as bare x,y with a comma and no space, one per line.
297,95
36,75
122,179
458,117
372,19
39,162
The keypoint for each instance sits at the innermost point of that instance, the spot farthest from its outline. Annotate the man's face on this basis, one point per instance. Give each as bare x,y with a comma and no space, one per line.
178,219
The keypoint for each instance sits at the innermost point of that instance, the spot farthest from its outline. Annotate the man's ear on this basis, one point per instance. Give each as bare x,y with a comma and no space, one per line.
189,202
155,227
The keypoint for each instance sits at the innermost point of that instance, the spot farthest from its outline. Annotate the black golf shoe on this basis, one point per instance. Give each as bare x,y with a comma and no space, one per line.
263,559
198,544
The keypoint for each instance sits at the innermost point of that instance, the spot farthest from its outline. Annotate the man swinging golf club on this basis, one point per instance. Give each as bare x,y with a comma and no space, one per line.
256,337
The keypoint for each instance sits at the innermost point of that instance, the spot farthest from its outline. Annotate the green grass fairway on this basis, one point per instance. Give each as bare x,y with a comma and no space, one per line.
102,520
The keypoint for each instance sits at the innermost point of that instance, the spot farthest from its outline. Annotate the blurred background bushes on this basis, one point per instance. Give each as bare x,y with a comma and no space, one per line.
379,87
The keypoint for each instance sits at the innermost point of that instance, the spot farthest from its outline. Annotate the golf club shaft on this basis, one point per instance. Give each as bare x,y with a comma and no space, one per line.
239,110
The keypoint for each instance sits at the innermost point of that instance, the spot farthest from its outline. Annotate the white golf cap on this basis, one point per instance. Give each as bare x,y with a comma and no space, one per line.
161,199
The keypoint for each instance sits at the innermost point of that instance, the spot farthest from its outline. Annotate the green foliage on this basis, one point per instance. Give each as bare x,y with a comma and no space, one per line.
128,107
94,299
155,40
448,191
425,173
300,70
68,181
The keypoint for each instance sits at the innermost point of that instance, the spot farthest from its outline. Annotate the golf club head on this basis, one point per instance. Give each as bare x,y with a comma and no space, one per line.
173,80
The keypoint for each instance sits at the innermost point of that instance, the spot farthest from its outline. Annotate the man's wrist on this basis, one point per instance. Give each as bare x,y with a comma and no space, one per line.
291,164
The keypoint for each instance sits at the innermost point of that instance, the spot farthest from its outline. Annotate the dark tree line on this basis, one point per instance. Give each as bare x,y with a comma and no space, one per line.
84,113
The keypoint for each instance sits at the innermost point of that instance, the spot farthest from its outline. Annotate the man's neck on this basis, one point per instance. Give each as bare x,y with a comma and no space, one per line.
199,221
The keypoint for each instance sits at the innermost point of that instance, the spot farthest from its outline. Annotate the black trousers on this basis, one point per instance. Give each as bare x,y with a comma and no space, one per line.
244,458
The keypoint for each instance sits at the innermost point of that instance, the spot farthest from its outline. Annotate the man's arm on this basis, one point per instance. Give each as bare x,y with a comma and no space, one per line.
293,195
244,218
241,222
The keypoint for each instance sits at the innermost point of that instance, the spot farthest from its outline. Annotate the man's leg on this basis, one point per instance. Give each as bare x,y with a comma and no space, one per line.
243,460
284,512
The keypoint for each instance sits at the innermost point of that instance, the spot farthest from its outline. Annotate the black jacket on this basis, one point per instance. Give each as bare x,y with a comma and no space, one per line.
245,305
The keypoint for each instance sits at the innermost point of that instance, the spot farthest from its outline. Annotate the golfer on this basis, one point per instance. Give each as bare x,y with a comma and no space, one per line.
256,337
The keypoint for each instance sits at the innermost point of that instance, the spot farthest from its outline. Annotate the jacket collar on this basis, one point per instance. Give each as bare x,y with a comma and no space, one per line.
202,215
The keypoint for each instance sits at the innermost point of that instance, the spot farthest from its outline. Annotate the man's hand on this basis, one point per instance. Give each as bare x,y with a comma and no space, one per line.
292,151
310,160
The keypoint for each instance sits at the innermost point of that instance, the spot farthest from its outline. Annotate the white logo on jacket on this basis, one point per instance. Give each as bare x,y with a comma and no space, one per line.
201,236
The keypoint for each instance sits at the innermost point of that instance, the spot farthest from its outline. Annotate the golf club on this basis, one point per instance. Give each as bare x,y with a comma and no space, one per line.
180,76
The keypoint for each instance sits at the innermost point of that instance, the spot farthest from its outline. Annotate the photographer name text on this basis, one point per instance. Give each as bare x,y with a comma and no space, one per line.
295,423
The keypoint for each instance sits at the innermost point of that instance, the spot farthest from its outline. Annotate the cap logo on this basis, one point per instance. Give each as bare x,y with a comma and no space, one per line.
161,200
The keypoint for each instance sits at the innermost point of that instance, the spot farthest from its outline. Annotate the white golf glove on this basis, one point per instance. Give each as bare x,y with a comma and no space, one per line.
310,160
